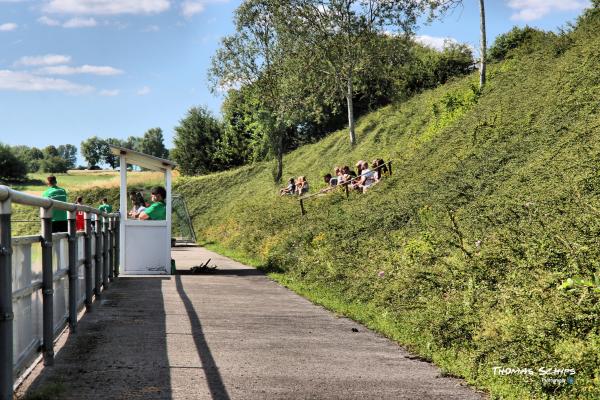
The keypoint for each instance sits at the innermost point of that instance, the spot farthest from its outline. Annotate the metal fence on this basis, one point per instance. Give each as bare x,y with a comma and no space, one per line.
46,280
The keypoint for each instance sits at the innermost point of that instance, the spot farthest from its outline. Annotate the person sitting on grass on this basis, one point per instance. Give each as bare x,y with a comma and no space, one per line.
347,174
59,217
329,180
339,176
158,209
379,168
366,179
302,186
289,189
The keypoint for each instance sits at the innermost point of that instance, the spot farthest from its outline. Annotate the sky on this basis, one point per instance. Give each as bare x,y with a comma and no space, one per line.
72,69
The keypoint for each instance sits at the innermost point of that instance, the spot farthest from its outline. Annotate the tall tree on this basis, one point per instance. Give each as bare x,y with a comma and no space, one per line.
94,150
68,152
153,143
250,58
109,158
11,167
337,40
196,142
50,151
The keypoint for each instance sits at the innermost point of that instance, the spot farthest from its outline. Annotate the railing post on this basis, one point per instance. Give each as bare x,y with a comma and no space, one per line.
6,309
73,271
117,245
87,254
111,252
98,255
105,246
47,287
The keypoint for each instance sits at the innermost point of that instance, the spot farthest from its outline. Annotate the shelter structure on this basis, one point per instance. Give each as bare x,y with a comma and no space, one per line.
146,244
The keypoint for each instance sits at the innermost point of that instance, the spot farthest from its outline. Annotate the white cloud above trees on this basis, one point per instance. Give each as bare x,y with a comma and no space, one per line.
106,7
529,10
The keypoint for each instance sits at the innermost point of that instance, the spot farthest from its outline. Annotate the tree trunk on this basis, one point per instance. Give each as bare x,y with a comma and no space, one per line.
279,159
483,45
349,94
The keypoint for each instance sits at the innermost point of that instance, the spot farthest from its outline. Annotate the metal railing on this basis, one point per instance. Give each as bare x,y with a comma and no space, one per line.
42,288
345,185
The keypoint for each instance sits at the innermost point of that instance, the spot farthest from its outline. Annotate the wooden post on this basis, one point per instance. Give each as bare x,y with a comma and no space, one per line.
303,212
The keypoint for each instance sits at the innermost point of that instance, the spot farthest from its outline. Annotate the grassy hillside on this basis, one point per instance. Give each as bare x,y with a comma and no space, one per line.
494,204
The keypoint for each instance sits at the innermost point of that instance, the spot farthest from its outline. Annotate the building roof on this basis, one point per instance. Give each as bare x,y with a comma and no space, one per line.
142,159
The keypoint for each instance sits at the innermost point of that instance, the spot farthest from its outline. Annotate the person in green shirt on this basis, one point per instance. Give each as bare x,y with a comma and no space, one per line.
105,206
157,210
59,217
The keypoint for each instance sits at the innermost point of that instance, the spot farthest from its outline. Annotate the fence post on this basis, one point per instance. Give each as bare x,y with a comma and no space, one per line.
87,254
117,245
111,252
98,255
73,271
6,309
302,211
105,246
346,190
390,168
47,287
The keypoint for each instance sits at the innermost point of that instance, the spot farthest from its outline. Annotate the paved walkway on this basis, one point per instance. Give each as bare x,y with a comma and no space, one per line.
233,334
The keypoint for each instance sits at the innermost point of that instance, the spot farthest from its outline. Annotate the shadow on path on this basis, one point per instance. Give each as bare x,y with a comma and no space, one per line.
213,377
224,272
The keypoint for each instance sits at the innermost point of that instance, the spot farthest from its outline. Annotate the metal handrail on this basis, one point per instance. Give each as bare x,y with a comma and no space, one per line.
105,261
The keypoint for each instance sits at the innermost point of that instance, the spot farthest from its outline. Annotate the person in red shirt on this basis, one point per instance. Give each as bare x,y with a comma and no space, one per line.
79,220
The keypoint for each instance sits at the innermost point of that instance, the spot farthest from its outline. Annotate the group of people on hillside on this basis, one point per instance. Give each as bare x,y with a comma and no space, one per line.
141,209
298,186
362,179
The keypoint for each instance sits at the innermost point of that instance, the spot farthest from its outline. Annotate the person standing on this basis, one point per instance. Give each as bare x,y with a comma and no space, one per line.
59,217
107,208
79,216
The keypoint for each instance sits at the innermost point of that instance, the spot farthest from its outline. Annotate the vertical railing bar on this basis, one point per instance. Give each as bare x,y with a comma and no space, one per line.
117,245
73,271
111,252
6,307
105,245
87,254
47,287
98,256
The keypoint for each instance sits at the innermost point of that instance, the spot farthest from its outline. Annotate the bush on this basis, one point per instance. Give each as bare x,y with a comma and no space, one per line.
11,168
511,40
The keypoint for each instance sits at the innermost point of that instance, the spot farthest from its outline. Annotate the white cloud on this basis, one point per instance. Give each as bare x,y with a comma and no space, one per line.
7,27
437,43
106,7
48,21
26,82
529,10
152,28
84,69
190,8
109,93
143,91
48,59
80,23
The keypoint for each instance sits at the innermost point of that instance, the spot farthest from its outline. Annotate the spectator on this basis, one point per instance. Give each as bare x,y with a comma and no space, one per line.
138,202
339,175
348,174
289,189
301,185
366,178
157,211
329,180
59,217
79,216
107,208
379,168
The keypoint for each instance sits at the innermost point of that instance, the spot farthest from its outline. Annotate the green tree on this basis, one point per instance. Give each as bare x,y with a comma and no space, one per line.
153,143
50,151
109,158
94,150
11,167
69,153
54,164
196,142
337,41
31,156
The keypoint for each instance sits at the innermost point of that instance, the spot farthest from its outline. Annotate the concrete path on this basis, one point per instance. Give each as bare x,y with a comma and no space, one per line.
233,334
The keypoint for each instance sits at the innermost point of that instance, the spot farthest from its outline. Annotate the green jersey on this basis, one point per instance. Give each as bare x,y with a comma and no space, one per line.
105,207
60,194
157,211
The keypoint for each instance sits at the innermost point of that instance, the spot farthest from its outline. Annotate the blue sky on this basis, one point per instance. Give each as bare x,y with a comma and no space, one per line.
71,69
